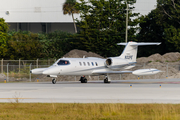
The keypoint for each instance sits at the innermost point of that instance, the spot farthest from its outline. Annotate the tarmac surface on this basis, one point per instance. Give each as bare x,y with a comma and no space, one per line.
118,91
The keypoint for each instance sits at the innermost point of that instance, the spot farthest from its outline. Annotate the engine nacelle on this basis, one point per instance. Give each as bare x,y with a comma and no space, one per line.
116,63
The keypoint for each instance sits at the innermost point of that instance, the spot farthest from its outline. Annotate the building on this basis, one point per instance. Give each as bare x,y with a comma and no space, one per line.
43,15
36,15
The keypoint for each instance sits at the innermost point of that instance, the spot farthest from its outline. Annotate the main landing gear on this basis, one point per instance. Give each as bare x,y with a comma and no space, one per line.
83,79
106,80
54,81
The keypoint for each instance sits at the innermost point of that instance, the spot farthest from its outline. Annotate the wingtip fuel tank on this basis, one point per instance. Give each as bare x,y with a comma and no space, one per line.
150,71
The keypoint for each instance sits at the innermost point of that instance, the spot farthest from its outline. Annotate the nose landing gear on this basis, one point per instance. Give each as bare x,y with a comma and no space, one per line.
54,81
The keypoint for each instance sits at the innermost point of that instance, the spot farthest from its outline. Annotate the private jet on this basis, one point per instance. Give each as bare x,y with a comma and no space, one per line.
93,66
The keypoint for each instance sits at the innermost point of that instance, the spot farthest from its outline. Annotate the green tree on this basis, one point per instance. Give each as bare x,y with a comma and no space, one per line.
3,37
56,44
27,45
161,25
69,8
103,25
170,13
24,45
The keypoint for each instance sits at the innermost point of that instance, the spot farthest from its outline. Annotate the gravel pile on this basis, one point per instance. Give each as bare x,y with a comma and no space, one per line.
168,57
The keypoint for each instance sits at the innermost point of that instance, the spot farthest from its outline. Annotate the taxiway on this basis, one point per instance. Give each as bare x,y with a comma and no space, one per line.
119,91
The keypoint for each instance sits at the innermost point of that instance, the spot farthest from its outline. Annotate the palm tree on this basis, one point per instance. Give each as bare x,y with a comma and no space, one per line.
69,8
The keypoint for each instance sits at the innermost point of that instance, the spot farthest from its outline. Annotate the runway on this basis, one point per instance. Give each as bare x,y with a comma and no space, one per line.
119,91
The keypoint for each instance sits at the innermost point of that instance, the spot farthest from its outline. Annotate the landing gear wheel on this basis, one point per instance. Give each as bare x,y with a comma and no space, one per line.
83,80
54,81
106,80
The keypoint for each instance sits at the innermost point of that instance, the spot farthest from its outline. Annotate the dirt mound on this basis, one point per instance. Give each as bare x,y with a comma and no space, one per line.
80,53
172,57
168,57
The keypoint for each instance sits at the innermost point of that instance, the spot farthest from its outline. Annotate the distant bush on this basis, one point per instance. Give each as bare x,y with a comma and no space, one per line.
28,45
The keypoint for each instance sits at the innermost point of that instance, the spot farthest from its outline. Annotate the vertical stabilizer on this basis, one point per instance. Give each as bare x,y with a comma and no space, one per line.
130,51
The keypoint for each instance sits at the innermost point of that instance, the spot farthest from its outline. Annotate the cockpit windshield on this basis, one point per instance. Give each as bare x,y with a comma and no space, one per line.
63,62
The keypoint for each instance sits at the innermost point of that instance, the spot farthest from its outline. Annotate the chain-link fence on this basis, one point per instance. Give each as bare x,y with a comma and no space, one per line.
22,63
20,71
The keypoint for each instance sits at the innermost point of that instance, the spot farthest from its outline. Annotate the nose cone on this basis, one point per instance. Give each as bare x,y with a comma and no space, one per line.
37,70
51,71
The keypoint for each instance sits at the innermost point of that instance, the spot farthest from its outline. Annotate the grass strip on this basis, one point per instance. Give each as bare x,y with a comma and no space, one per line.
95,111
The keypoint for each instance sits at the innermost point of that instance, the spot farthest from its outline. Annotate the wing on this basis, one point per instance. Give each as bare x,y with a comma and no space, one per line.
112,72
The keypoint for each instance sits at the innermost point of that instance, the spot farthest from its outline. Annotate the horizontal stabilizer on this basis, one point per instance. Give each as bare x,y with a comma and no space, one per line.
139,44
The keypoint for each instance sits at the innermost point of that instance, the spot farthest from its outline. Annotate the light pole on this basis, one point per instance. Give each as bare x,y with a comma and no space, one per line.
127,22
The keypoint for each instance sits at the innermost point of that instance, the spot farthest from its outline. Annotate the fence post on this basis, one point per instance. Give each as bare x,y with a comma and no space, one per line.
167,71
30,72
144,68
7,73
48,61
19,65
120,76
37,63
2,66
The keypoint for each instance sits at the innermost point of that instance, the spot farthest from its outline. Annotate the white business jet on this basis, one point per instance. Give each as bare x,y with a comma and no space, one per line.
92,66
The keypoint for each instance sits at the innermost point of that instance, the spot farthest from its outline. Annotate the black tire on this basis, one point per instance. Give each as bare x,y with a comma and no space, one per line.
81,79
106,80
54,81
85,80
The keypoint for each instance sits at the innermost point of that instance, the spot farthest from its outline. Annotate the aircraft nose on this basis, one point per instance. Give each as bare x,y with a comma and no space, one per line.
51,71
46,72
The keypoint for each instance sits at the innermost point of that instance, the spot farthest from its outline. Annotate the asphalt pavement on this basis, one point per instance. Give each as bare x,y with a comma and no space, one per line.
118,91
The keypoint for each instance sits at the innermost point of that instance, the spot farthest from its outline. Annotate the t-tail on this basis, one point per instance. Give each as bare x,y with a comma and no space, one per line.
130,51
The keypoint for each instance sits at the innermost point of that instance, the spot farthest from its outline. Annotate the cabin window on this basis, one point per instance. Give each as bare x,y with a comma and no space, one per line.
88,64
63,62
84,63
80,63
92,63
96,64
